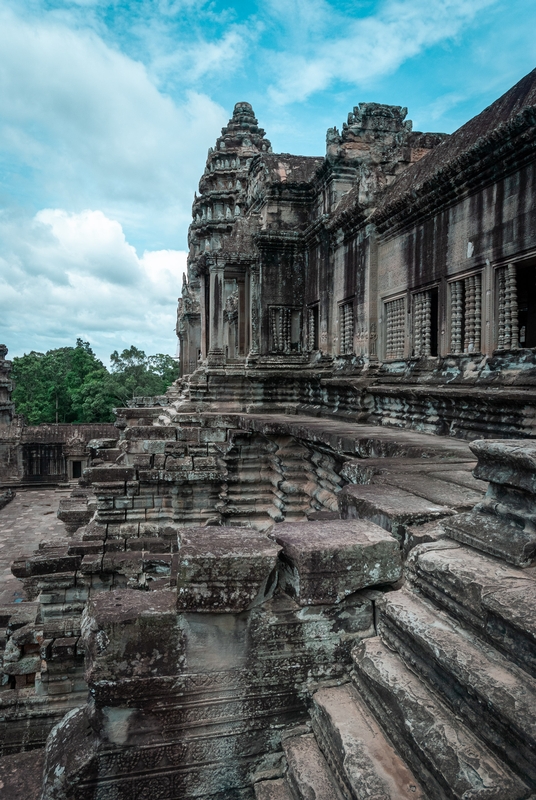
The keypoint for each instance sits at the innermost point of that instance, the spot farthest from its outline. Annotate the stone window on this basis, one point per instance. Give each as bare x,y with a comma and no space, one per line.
312,328
516,306
507,308
466,314
425,317
346,329
285,329
395,329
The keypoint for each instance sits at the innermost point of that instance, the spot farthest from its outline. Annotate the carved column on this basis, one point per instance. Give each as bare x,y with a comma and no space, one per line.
215,353
254,349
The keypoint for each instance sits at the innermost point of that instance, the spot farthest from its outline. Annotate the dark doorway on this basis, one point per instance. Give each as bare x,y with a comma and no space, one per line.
42,461
77,469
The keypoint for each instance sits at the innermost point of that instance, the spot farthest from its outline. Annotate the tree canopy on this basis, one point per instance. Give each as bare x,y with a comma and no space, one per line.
70,384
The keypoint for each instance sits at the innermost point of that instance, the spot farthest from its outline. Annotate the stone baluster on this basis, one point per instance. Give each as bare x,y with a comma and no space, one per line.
427,323
285,332
394,324
456,304
501,300
469,332
478,312
311,329
507,312
514,319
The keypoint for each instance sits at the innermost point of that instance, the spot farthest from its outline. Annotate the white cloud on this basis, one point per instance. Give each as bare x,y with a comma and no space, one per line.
361,50
65,275
92,126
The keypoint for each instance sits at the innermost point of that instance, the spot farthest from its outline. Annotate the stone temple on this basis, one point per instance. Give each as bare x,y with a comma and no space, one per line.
309,571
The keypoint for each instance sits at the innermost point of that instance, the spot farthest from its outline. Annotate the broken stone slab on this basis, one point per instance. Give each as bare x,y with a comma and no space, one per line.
324,562
496,600
308,773
507,539
391,508
493,696
446,757
365,760
224,569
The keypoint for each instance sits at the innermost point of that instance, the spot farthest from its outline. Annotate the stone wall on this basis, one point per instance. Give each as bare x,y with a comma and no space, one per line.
400,257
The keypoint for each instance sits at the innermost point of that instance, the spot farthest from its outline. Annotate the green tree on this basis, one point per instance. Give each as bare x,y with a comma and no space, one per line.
136,375
70,384
50,387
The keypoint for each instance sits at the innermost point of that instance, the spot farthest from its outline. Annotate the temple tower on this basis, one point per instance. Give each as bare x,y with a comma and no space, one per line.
215,210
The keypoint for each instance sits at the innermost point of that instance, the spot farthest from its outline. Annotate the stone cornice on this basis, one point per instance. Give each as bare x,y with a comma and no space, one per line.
492,157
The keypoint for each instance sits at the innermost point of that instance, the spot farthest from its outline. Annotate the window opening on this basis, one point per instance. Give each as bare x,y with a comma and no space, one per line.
395,311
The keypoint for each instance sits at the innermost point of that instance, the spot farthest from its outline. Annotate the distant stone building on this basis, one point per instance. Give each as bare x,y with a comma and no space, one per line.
400,257
37,454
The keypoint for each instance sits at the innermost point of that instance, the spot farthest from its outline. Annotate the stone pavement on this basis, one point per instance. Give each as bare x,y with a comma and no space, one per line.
29,519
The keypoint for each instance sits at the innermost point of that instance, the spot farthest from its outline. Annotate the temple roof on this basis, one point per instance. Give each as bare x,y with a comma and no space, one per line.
499,113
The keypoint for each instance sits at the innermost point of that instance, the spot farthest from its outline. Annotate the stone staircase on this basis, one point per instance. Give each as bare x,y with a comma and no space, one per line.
441,704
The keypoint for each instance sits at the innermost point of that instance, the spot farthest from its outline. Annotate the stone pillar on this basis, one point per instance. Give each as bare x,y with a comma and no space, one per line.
254,349
215,353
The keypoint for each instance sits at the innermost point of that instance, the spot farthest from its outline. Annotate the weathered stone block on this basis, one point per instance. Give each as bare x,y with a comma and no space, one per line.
132,634
224,569
508,462
323,562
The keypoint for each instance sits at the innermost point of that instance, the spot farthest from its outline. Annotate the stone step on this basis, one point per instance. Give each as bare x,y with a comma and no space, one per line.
388,506
357,750
495,697
273,790
430,487
308,774
500,536
497,600
448,759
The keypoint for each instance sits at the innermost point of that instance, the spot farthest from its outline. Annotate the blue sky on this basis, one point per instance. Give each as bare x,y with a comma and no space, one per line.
108,109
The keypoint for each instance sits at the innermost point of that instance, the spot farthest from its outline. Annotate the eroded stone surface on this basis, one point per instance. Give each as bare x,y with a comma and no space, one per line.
356,747
323,562
224,569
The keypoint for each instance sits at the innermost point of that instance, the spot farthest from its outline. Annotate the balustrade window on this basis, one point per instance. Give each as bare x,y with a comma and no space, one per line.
395,328
312,328
285,329
508,333
346,329
466,314
425,307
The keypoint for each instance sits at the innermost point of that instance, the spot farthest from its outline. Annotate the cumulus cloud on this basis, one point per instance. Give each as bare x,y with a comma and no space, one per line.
64,275
85,117
363,49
